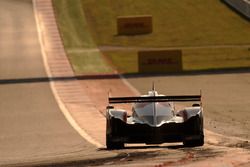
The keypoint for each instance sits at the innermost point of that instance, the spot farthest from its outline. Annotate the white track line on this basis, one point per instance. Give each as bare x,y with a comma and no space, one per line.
53,88
134,90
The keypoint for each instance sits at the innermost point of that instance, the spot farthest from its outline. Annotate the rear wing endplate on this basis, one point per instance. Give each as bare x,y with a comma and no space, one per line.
146,99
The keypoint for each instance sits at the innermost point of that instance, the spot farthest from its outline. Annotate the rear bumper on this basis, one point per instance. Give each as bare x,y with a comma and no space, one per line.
143,133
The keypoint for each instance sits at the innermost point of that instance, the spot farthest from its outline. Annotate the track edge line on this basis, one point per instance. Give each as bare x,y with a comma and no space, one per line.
61,105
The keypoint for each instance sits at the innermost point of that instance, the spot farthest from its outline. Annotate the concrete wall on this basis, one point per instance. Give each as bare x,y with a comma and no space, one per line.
242,6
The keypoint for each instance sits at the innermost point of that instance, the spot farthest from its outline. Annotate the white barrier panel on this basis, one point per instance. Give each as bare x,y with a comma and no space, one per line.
242,6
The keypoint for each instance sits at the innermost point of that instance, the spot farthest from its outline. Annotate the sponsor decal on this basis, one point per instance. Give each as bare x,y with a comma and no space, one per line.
134,25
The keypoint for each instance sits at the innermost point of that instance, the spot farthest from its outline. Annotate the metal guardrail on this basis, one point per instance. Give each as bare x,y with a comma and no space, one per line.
242,6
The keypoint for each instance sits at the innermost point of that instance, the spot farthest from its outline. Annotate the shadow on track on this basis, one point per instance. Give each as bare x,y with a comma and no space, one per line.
54,79
145,147
117,76
190,73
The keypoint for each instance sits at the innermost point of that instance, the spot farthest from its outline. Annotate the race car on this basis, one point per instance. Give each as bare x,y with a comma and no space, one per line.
154,120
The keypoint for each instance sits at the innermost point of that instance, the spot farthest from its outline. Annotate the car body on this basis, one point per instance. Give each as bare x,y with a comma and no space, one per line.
154,120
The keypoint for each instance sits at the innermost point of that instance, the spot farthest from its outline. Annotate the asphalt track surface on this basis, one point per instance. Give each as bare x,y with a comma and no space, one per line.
33,130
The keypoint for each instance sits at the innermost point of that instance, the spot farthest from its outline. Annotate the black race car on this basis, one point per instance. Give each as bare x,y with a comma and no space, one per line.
154,120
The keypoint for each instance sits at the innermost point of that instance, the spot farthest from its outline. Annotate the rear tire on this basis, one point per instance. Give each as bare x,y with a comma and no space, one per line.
199,132
194,143
113,145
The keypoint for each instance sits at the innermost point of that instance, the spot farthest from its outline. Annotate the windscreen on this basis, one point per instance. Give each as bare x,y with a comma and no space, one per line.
153,113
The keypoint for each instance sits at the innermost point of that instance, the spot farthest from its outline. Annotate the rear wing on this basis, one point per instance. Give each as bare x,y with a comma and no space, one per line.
146,99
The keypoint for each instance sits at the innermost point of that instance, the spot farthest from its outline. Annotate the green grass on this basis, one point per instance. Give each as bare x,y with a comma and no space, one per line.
72,24
175,23
219,58
86,24
77,39
124,62
88,62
